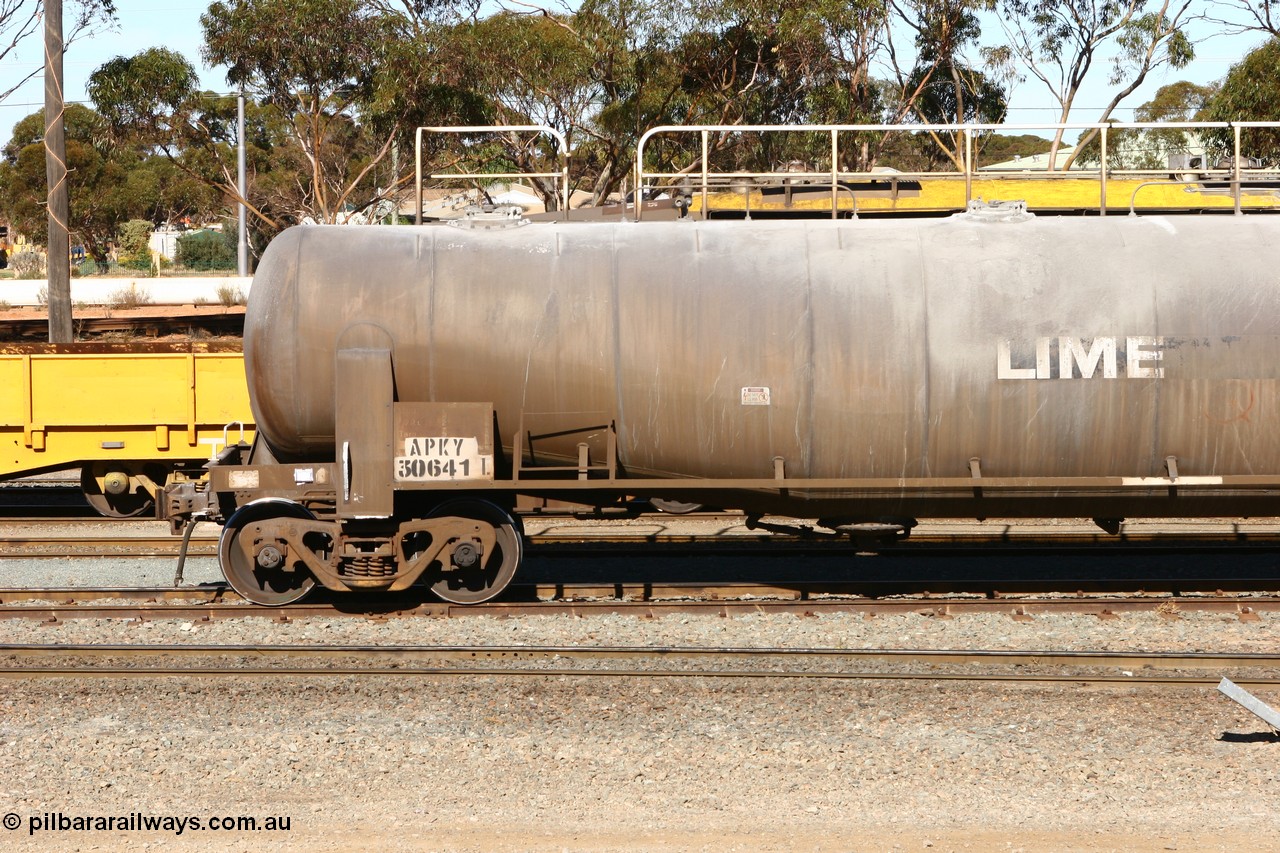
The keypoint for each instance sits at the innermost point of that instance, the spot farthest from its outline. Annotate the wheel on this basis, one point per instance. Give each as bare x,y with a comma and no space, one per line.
106,488
869,534
238,556
674,507
490,574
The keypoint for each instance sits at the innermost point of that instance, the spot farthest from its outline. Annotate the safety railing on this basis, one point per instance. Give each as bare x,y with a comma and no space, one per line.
701,174
647,181
561,177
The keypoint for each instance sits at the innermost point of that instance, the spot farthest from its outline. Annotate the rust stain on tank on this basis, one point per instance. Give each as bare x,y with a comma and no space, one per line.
1241,415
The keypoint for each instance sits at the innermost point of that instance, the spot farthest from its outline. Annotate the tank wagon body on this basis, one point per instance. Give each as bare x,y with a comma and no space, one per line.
408,382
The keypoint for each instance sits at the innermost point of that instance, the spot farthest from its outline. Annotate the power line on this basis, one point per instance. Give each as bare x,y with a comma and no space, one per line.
29,105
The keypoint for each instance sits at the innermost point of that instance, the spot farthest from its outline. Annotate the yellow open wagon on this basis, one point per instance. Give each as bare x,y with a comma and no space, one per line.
131,416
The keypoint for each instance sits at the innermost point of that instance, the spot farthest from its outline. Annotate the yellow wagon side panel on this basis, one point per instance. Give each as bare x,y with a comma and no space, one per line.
62,405
1045,194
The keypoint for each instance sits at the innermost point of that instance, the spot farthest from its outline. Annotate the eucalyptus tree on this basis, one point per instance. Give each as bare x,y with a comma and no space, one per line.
1251,92
21,19
638,78
108,183
1242,16
778,62
316,63
334,90
1059,41
527,69
942,83
153,99
1149,148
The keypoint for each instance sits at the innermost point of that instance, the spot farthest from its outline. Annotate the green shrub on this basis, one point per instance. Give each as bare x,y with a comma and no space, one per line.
28,265
138,263
134,239
133,246
206,250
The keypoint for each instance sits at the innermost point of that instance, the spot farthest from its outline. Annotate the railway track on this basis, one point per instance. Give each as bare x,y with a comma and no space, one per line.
732,535
241,661
215,320
59,500
713,553
203,605
570,561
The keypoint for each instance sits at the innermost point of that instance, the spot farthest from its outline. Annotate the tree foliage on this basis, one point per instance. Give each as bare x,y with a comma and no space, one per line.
1060,40
108,184
21,20
206,250
1251,91
335,89
134,239
313,62
1150,148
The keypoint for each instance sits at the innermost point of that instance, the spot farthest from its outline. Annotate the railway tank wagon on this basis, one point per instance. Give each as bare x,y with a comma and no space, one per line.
408,382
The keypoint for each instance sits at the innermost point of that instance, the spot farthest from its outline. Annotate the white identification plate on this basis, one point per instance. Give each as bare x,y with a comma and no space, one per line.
242,479
756,396
428,458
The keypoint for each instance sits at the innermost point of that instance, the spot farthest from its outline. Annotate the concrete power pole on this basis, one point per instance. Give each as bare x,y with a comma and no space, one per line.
55,159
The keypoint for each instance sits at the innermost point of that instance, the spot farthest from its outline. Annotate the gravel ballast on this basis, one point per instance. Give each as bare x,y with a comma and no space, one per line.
536,763
551,763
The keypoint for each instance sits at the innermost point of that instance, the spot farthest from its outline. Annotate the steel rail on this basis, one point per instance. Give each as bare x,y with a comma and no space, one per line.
648,591
15,547
300,672
1246,609
1137,660
1042,657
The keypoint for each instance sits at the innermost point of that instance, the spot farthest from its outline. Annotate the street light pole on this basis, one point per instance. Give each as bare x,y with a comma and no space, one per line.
242,246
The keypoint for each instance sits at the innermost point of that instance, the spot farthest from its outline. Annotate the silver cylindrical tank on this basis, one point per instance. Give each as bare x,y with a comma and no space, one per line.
1053,347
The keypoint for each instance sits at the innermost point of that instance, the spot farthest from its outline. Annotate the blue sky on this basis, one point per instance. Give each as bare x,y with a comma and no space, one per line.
142,24
176,25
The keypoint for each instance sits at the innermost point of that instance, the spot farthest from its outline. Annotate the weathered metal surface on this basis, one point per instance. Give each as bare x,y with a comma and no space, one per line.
891,352
364,422
436,442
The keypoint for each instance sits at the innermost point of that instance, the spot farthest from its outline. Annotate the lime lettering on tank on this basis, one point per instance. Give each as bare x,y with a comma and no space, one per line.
1131,357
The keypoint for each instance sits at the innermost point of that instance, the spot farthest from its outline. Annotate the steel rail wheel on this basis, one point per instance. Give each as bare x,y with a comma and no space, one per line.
261,580
105,486
472,578
674,507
